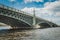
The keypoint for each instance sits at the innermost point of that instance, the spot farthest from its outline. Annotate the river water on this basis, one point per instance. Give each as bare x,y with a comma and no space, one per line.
34,34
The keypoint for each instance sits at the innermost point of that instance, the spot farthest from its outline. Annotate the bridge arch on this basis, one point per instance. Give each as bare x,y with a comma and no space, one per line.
13,22
44,25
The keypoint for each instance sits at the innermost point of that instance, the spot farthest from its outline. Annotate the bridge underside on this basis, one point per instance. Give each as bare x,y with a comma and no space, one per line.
14,23
44,25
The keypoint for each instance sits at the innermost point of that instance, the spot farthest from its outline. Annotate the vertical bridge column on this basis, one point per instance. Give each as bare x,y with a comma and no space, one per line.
34,19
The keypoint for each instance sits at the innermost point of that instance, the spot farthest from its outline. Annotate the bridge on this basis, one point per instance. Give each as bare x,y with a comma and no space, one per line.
19,19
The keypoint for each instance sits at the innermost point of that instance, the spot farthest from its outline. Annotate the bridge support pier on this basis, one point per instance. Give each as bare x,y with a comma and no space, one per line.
36,26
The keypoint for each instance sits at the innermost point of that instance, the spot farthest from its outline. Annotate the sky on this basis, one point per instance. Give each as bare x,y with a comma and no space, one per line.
46,9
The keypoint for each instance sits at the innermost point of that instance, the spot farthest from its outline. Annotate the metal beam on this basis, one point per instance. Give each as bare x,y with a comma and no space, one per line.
34,17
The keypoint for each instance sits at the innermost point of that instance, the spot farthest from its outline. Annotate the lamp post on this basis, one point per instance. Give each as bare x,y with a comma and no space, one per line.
34,20
51,14
34,17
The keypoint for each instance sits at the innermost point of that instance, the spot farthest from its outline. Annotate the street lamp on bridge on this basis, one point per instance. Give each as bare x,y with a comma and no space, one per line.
34,20
34,17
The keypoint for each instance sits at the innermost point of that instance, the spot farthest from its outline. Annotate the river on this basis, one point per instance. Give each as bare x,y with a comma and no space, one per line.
34,34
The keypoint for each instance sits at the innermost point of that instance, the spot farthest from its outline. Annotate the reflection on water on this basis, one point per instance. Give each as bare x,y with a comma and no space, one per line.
34,34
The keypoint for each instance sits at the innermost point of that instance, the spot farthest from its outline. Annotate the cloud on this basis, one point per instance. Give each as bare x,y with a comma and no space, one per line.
28,10
50,11
39,11
27,1
58,14
54,7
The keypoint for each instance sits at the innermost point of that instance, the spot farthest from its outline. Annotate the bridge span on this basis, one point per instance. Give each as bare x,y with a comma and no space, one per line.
16,18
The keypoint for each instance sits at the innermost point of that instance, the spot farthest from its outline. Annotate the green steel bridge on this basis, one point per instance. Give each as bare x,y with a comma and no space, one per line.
19,19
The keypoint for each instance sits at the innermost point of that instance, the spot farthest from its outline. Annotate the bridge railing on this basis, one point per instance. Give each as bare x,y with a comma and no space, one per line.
14,12
13,9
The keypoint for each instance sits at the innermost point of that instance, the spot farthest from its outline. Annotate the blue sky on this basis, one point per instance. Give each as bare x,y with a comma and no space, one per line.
46,9
19,4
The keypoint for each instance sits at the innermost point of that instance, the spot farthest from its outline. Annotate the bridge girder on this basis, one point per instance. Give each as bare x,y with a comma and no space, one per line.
16,15
20,16
13,22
